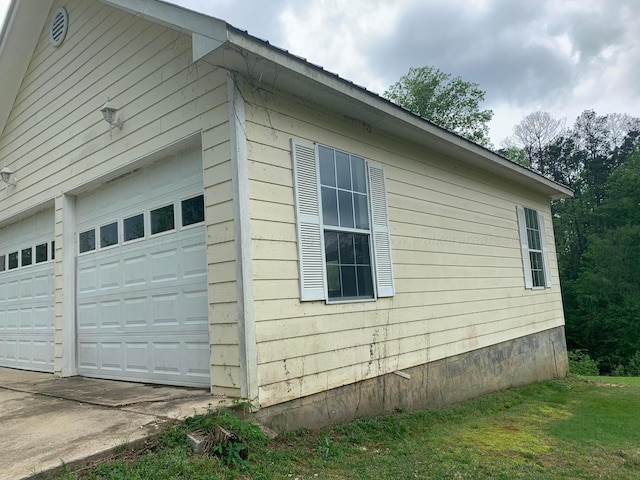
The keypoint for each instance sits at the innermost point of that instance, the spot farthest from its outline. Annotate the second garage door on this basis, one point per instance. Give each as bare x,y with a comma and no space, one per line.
142,283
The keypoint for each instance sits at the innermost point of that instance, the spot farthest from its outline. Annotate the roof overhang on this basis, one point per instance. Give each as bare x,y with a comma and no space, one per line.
279,69
18,40
220,44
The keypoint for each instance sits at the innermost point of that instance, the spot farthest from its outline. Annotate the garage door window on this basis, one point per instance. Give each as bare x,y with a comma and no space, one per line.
42,253
87,241
109,235
162,219
13,260
27,257
2,263
193,210
133,227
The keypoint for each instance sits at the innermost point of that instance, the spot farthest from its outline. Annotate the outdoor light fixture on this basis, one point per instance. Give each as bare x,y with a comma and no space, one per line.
8,176
110,114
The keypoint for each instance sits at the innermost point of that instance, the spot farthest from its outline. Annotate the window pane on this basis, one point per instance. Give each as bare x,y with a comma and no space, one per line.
2,264
13,260
346,249
331,247
365,282
109,235
343,168
359,175
345,202
333,281
87,241
361,210
27,256
349,272
162,219
363,256
532,218
193,210
349,285
329,206
133,227
537,271
42,253
327,167
533,238
53,250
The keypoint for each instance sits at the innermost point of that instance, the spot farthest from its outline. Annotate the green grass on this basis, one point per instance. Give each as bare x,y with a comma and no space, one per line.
578,428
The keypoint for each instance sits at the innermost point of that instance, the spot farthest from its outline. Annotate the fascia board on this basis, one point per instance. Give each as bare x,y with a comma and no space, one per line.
208,33
21,31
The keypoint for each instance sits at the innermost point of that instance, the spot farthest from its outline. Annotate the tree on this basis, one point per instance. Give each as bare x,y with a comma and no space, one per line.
451,103
534,134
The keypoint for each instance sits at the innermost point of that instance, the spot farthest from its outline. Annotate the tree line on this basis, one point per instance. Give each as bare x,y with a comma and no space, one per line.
597,232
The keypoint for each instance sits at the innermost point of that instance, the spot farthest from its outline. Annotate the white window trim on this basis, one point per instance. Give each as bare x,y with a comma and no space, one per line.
310,227
525,250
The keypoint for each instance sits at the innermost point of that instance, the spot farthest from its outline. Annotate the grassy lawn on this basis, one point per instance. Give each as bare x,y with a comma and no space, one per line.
571,429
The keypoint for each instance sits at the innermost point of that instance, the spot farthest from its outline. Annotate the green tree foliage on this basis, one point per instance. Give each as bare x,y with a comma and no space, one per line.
598,234
449,102
603,300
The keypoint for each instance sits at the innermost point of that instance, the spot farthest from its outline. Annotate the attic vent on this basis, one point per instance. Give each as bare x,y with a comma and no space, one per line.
59,27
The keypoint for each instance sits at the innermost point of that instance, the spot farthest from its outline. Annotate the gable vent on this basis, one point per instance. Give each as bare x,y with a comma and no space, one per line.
59,27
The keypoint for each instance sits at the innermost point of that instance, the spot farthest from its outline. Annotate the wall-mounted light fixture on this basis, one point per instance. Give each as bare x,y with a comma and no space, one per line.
8,176
110,114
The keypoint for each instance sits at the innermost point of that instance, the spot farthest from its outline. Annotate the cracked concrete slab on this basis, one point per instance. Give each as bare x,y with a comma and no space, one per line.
46,420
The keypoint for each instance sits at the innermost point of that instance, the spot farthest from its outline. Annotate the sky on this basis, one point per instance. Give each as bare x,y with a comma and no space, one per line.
558,56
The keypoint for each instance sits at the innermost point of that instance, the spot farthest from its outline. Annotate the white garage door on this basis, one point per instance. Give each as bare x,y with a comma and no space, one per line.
142,283
27,293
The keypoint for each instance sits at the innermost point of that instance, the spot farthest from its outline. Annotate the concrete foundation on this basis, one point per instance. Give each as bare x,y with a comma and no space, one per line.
524,360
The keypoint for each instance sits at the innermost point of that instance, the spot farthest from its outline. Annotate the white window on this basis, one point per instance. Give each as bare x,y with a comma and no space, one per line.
342,221
533,242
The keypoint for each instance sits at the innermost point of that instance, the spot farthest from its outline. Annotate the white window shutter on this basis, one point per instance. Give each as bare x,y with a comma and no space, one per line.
545,251
308,221
524,247
380,229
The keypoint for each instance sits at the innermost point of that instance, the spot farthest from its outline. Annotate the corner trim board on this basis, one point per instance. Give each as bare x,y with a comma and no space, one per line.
242,231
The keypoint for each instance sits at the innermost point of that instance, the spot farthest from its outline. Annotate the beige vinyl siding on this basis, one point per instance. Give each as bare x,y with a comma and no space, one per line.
456,260
57,141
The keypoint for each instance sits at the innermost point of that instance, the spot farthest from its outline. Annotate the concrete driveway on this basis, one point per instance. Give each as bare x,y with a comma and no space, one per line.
46,420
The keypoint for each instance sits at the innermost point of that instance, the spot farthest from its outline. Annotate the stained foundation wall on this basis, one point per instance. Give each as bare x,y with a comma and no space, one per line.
528,359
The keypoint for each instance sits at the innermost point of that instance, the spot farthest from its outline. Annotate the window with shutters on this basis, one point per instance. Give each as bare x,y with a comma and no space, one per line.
535,257
343,234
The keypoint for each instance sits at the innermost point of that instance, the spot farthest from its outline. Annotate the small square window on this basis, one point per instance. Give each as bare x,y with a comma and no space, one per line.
109,235
87,241
27,256
2,263
13,260
193,210
162,219
42,253
133,227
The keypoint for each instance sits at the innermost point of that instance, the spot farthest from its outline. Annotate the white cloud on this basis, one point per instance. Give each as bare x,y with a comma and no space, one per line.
335,34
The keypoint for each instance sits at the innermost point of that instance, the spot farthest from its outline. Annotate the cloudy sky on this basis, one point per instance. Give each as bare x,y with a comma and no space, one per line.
560,56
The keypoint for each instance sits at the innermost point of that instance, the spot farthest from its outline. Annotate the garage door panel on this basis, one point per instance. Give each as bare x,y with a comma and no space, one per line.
109,275
87,278
172,360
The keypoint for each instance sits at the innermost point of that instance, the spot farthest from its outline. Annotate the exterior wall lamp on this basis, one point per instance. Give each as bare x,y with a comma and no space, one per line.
8,176
110,114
